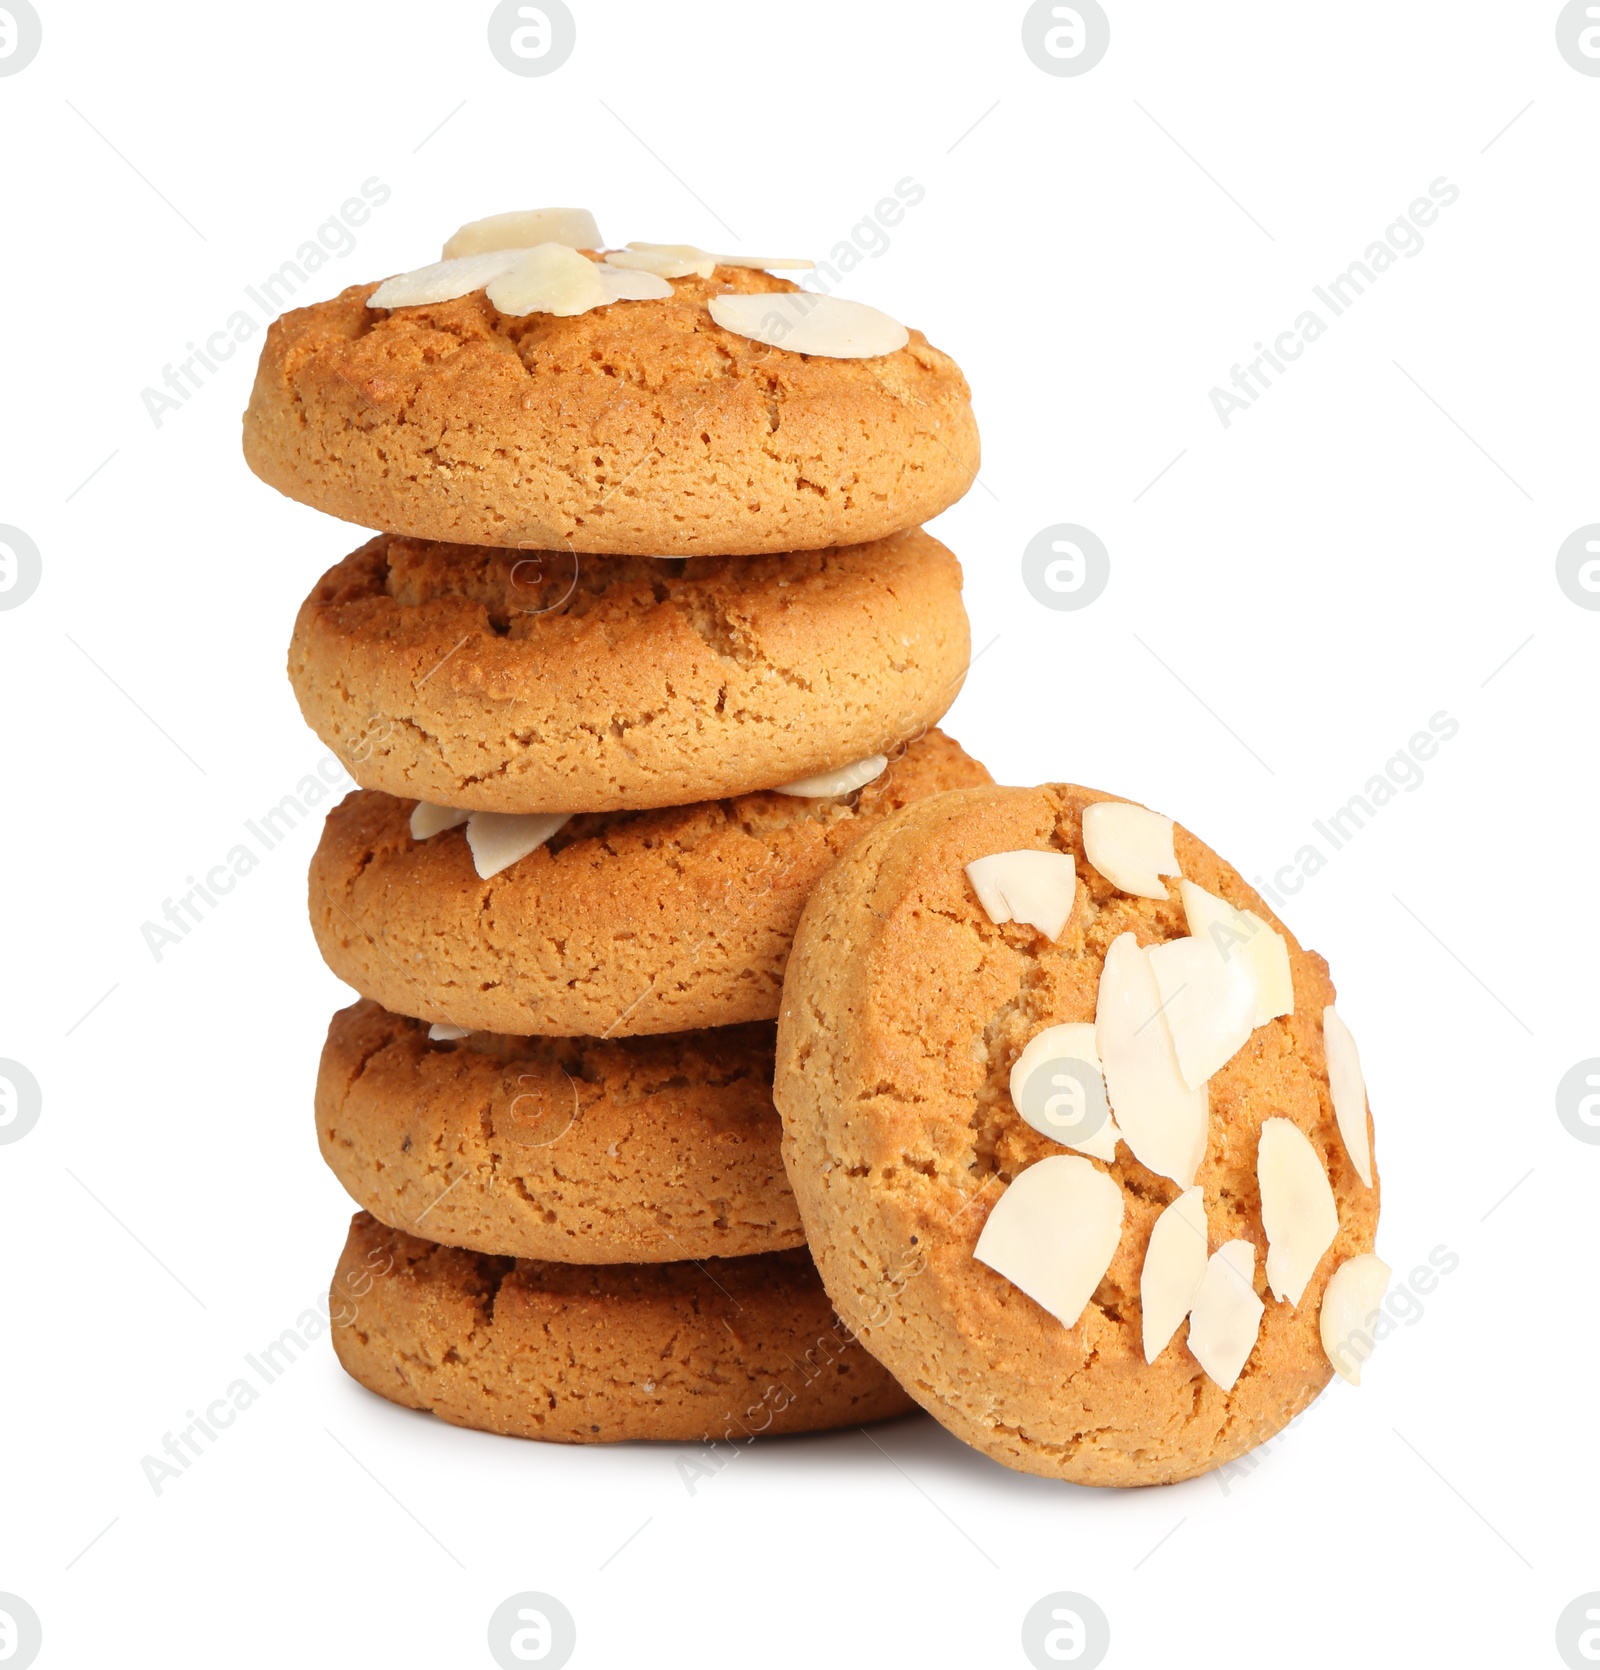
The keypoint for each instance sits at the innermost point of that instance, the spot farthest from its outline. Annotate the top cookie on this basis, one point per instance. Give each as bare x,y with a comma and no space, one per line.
639,428
1075,1295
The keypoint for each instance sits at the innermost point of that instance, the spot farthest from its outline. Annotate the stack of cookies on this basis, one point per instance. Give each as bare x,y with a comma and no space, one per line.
644,667
650,637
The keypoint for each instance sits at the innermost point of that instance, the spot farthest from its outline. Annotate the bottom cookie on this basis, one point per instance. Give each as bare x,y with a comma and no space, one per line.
591,1354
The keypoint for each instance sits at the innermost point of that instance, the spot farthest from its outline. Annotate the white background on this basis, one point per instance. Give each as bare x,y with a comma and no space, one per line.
1293,598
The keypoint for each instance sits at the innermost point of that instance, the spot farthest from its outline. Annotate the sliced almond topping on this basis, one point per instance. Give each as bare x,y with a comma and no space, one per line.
1131,846
1174,1267
661,264
845,780
1208,1002
802,323
442,1032
764,263
499,839
624,286
1033,887
427,819
1297,1209
1226,1315
683,259
523,228
1348,1088
1351,1306
549,278
443,281
1054,1232
1241,933
691,259
1057,1087
1160,1117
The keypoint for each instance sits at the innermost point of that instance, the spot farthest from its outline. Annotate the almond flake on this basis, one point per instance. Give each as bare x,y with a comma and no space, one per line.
499,839
1160,1117
845,780
764,263
802,323
692,263
1241,933
1174,1267
427,819
523,228
1131,846
1297,1207
1208,1002
1351,1307
444,280
684,260
1032,887
442,1032
624,286
1054,1232
1226,1315
1348,1089
549,278
1056,1085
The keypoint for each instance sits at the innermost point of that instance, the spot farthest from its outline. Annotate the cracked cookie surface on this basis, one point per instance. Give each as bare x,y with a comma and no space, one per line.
904,1008
543,681
588,1354
622,923
636,1150
641,428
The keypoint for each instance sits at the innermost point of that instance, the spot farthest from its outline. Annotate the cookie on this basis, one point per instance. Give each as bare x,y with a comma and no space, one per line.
905,1008
470,676
621,923
642,428
594,1353
630,1150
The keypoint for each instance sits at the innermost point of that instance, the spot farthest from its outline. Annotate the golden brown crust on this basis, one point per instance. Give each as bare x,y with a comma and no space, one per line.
588,1354
631,1150
903,1011
623,923
642,428
542,681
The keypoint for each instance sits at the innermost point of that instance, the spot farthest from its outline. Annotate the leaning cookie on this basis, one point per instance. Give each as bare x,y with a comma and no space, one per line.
542,681
588,1354
1077,1137
641,428
630,1150
619,923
